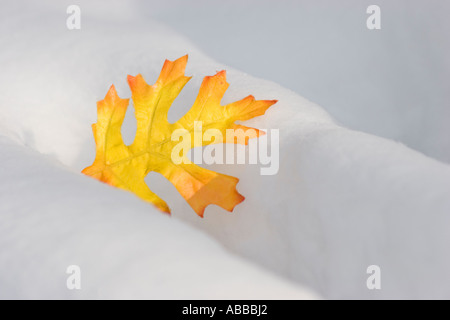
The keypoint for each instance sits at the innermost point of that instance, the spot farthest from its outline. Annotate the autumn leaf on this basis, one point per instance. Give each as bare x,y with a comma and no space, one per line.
126,167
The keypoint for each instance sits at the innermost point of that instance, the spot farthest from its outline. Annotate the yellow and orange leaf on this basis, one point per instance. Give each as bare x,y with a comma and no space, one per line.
126,167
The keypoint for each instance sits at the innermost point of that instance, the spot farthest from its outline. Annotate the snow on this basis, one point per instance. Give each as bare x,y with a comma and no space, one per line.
392,82
343,200
125,248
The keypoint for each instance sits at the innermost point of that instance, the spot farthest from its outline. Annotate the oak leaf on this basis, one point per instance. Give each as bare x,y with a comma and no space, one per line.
126,167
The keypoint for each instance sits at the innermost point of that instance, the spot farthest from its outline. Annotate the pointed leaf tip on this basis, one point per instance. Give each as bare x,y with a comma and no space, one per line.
222,74
132,80
111,92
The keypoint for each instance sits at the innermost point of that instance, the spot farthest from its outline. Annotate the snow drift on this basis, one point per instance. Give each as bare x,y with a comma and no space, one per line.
342,200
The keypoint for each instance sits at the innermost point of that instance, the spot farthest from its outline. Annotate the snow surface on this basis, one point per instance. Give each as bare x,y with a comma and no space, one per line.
343,200
125,248
391,82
